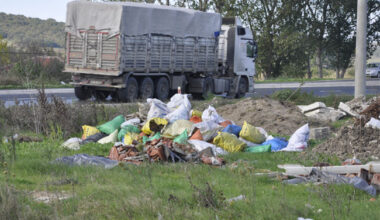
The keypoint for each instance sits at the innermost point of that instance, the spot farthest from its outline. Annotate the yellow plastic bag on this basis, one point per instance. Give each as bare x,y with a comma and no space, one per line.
251,133
177,128
130,137
88,131
154,125
196,113
229,142
112,138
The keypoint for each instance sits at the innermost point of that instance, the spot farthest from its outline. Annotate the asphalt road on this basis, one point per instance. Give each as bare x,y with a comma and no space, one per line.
320,88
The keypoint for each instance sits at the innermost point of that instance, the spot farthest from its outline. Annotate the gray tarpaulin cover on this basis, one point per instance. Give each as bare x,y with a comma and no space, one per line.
139,18
84,159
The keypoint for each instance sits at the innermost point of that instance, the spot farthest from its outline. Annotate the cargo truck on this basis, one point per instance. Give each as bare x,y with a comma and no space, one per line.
135,51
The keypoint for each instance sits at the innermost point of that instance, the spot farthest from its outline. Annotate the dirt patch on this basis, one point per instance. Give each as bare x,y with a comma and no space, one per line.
272,115
363,143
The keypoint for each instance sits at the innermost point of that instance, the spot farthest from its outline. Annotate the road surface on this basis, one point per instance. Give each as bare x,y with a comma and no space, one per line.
320,88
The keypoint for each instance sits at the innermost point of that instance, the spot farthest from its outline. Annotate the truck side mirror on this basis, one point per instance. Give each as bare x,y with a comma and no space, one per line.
240,30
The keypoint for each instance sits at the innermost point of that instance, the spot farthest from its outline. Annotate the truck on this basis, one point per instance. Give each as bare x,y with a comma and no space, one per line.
132,51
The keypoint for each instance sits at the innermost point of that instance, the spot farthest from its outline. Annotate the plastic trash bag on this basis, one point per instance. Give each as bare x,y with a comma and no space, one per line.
157,109
251,133
182,138
199,145
86,160
373,123
233,129
209,129
94,138
88,131
263,131
248,143
177,128
298,140
229,142
225,123
129,138
154,125
210,114
133,121
72,143
180,113
195,119
112,138
276,144
259,149
112,125
196,113
156,136
197,135
127,129
177,100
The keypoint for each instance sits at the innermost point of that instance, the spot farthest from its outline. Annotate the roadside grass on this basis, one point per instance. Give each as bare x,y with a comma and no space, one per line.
170,191
36,86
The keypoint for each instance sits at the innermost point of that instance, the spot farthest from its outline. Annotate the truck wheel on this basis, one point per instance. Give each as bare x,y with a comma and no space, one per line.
100,95
208,88
130,93
162,88
243,87
82,93
146,88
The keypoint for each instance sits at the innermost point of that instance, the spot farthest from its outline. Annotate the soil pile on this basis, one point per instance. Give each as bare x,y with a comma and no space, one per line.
363,143
272,115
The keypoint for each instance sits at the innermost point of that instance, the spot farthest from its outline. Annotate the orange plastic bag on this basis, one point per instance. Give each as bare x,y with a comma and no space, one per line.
197,135
225,123
195,119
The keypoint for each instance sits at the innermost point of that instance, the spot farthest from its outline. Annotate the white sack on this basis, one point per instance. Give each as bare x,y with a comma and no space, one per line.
158,109
201,145
180,113
210,114
72,143
133,121
112,138
177,100
208,129
373,123
298,140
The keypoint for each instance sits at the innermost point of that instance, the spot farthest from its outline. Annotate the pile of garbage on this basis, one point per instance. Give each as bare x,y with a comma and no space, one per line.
175,132
362,138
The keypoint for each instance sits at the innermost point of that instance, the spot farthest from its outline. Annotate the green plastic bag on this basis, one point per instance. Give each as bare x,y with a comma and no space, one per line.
126,129
182,138
112,125
259,149
154,137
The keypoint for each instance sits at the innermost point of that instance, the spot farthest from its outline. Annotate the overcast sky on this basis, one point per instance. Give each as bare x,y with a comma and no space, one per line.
43,9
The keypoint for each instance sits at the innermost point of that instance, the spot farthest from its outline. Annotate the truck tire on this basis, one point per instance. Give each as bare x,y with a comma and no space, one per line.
146,88
82,93
208,88
243,87
101,95
130,93
162,88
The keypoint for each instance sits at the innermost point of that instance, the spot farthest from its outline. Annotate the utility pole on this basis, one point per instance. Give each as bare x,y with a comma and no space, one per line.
361,49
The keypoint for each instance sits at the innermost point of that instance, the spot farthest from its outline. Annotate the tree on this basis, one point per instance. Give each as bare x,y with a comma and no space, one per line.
4,58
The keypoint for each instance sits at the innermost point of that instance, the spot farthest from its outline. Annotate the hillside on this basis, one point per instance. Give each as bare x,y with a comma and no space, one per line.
19,30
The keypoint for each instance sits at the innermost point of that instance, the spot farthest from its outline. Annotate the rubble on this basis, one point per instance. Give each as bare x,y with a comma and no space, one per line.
320,112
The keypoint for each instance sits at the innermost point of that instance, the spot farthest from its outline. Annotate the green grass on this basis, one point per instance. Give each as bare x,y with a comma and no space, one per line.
36,86
285,79
173,191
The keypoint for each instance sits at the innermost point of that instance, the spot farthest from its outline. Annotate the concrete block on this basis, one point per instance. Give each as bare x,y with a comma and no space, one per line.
319,133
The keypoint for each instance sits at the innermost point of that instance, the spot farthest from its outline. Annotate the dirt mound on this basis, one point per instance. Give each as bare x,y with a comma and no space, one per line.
364,143
272,115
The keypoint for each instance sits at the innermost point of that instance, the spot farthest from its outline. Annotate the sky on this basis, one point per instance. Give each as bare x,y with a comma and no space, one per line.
43,9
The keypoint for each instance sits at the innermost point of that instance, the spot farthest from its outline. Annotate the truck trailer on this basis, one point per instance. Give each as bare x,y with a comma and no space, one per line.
136,51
